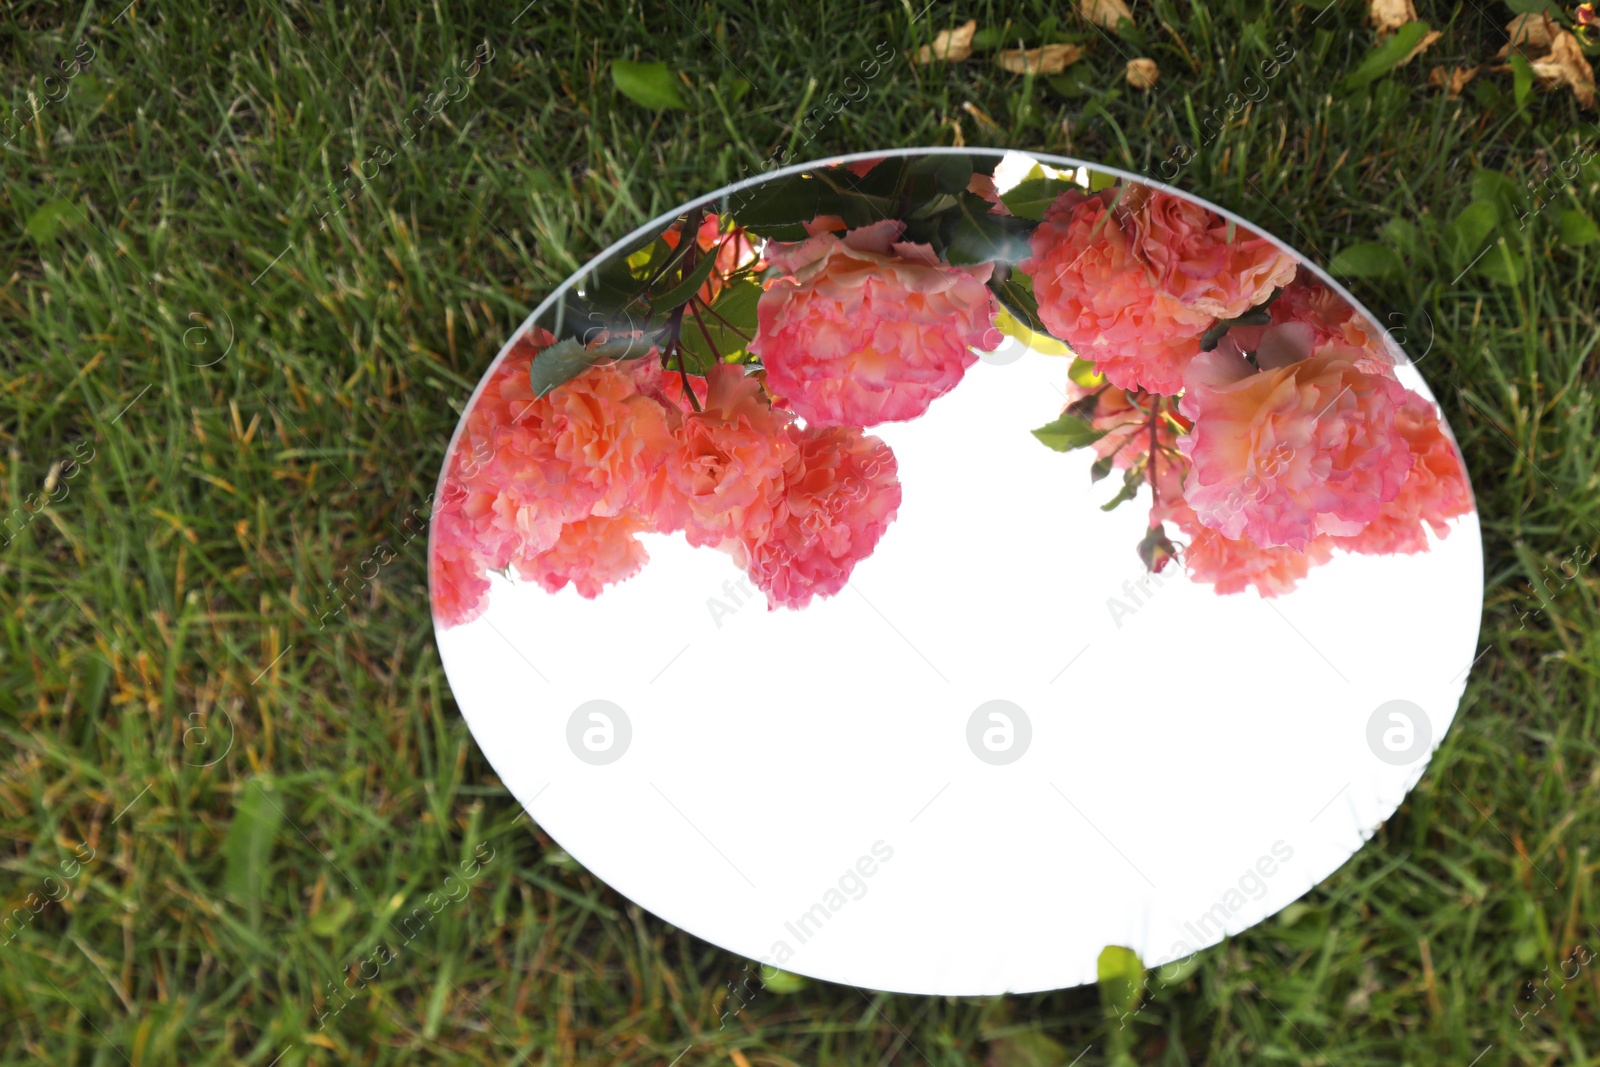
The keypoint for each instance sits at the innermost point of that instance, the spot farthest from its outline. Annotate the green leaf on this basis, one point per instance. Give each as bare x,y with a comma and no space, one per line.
1367,259
1521,78
1404,235
1100,468
1076,81
1178,971
1132,479
1029,198
988,38
781,981
1384,58
687,286
1099,179
1493,187
565,360
247,848
1121,976
1465,234
650,84
1067,433
1015,294
332,917
941,203
1578,229
708,336
949,173
1085,374
779,209
978,237
51,219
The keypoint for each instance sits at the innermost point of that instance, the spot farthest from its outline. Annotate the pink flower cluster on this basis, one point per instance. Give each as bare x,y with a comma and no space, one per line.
1132,278
558,488
1297,436
866,328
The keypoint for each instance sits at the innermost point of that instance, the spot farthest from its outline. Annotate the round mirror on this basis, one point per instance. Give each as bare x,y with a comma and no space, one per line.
924,570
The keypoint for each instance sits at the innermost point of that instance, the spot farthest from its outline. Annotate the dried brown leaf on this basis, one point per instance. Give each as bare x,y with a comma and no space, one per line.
1143,73
1451,81
1422,45
949,46
1051,59
1386,16
1565,65
1529,34
1105,12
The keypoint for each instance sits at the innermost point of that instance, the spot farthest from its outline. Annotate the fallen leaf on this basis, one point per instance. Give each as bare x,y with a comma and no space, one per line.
1143,73
1553,54
950,46
1105,13
1529,34
1051,59
1565,65
1422,45
1386,16
1452,81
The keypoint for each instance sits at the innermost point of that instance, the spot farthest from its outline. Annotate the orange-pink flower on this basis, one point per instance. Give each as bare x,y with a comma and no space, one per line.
1231,566
840,492
1308,317
525,467
868,329
1097,295
590,554
1235,565
1281,455
724,474
1209,264
1133,278
1434,492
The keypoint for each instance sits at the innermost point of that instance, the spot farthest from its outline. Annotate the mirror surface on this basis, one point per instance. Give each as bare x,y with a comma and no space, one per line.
923,570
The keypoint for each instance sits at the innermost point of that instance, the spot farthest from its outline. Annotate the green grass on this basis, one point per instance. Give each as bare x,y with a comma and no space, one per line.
171,610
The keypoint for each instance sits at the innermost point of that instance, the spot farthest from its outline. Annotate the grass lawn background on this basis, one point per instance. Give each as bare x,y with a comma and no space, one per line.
236,779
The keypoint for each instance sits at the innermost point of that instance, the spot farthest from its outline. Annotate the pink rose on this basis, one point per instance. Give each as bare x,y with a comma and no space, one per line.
725,473
1189,249
1134,283
1281,455
1097,295
525,467
864,330
1232,565
1311,317
590,554
458,575
840,492
1434,492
